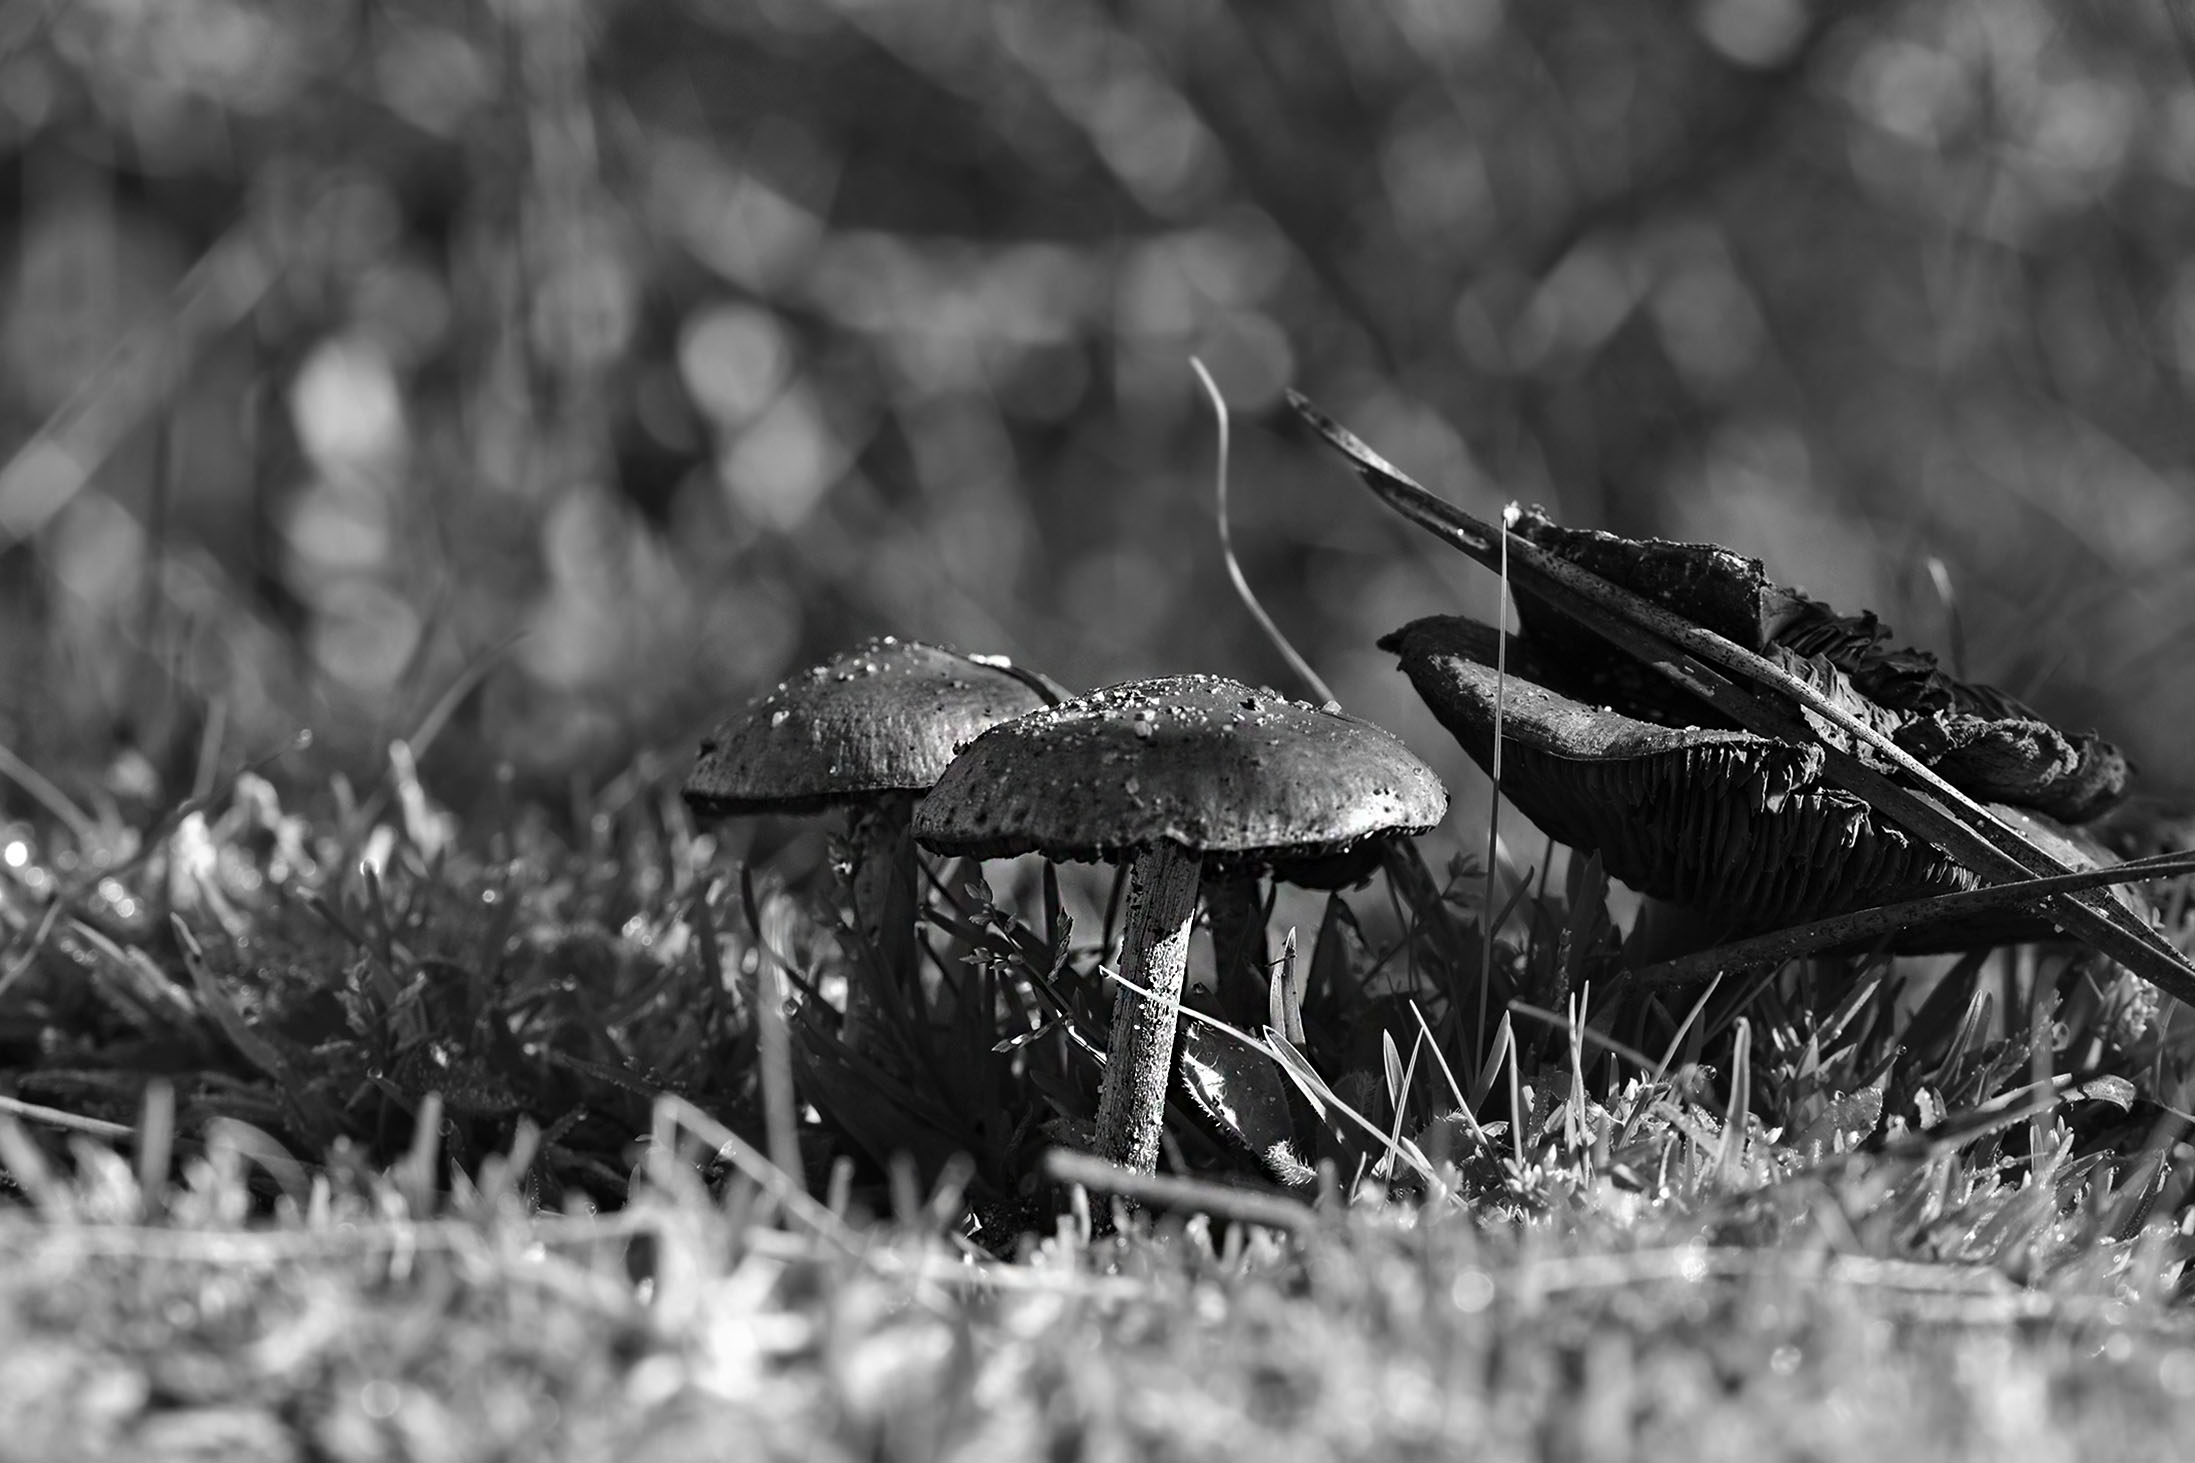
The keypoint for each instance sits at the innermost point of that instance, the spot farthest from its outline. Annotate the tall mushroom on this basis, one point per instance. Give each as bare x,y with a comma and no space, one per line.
1176,776
868,731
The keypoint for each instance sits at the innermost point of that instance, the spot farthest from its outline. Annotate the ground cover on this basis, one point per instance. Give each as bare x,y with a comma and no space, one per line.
342,1130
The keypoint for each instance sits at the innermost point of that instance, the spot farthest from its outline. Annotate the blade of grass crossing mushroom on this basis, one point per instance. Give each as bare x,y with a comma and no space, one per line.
1695,658
1863,925
1320,692
1493,805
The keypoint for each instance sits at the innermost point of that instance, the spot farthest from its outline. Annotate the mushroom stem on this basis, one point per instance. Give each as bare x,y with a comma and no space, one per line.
1231,898
1162,907
882,887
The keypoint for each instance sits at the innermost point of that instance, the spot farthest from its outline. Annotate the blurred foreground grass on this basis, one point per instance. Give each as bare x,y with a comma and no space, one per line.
359,1327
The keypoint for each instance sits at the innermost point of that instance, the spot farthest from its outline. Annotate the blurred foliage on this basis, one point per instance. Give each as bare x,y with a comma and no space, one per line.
627,355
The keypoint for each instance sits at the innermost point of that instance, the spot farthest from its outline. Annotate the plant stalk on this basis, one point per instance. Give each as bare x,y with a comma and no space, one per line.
1162,907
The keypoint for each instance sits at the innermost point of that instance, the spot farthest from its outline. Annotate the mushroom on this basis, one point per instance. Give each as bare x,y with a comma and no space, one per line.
1739,827
1180,777
869,731
1986,743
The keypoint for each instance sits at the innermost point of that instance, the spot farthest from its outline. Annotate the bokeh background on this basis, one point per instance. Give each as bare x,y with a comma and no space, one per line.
582,366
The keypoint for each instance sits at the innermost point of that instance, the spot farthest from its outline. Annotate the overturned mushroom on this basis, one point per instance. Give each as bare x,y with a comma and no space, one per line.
1768,694
1976,737
1739,827
1178,777
869,731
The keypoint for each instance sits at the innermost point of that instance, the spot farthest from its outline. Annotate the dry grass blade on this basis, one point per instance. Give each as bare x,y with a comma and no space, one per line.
1862,926
1697,659
1320,691
54,1117
1179,1195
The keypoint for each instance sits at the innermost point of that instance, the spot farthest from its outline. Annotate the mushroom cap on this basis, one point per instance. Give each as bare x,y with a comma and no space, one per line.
884,717
1737,825
1239,775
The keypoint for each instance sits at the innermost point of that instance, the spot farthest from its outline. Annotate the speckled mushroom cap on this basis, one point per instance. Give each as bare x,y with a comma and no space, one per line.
886,716
1242,776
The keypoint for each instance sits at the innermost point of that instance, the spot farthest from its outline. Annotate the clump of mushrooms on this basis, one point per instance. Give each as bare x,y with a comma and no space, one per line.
1183,778
868,731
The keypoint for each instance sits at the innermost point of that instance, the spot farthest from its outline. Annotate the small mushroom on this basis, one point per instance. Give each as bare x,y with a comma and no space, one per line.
869,731
1178,777
1739,827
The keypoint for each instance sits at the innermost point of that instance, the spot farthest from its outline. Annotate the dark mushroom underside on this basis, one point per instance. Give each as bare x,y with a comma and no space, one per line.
1735,825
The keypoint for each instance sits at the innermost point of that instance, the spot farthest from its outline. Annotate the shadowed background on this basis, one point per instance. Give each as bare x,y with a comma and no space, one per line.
614,359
